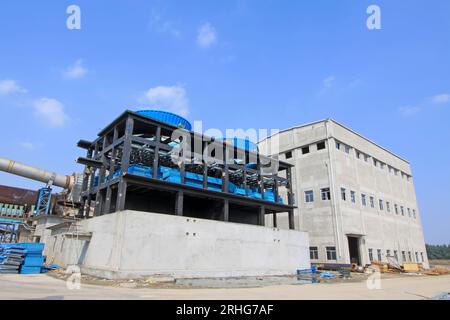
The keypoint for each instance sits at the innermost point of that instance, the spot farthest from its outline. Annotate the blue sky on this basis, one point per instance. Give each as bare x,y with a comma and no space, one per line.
232,64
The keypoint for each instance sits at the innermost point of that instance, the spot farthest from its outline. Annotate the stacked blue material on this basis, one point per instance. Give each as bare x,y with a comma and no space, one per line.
11,258
24,258
34,260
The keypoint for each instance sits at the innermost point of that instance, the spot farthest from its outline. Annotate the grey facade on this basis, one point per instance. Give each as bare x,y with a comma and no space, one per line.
355,199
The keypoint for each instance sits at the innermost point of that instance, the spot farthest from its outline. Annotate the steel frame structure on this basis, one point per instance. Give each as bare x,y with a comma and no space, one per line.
111,151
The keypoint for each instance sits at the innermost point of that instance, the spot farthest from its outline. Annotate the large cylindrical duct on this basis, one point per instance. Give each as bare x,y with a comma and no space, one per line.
34,173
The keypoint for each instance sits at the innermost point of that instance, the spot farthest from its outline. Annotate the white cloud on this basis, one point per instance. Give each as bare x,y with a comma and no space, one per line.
75,71
29,146
159,24
441,98
51,111
329,81
168,98
9,87
409,111
207,36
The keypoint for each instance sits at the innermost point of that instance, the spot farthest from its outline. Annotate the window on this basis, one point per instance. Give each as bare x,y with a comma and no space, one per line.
363,199
380,202
325,193
414,214
289,155
396,208
305,150
353,196
417,256
309,196
313,253
409,212
347,149
409,256
403,256
396,255
382,165
366,158
372,202
343,194
379,254
375,162
321,145
391,170
331,253
358,154
338,145
388,206
421,255
371,255
396,172
388,253
402,209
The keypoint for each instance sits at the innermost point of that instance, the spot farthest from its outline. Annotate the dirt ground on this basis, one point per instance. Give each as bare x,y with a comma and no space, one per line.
391,287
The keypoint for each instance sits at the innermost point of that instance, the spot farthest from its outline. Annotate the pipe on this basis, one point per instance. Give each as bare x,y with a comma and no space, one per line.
34,173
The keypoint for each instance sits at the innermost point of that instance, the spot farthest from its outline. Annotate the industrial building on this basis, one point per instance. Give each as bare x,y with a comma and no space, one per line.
158,198
355,198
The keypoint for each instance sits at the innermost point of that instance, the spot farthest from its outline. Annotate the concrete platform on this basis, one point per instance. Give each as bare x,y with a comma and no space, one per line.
133,244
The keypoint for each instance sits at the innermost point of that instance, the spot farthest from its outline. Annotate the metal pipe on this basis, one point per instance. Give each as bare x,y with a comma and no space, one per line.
37,174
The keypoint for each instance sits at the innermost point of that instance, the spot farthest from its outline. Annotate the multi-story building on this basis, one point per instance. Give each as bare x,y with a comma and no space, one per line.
355,198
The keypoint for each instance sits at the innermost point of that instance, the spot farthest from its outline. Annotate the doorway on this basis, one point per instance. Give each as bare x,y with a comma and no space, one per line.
353,247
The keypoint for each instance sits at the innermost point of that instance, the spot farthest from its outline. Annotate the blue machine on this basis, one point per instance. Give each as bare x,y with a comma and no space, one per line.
167,117
44,201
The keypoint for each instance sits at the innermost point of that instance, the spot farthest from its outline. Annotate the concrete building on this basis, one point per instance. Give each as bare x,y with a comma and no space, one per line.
355,198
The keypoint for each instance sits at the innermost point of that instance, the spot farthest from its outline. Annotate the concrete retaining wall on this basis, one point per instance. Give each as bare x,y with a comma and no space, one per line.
133,244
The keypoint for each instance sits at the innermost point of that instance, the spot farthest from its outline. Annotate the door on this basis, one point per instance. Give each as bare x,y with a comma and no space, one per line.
353,247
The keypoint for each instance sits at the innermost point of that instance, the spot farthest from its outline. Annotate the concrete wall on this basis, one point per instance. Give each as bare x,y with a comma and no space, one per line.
329,222
132,244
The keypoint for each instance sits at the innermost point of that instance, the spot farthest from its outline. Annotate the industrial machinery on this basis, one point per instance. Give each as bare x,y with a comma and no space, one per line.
139,162
71,184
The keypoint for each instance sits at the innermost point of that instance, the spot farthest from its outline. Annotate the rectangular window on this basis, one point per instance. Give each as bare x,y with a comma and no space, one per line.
409,256
388,253
321,145
382,165
417,257
380,202
371,255
347,149
289,155
372,202
331,253
309,196
414,214
338,145
403,256
379,254
343,194
358,154
366,158
353,196
396,208
396,255
325,193
402,210
388,206
363,200
409,212
313,253
421,255
305,150
375,162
